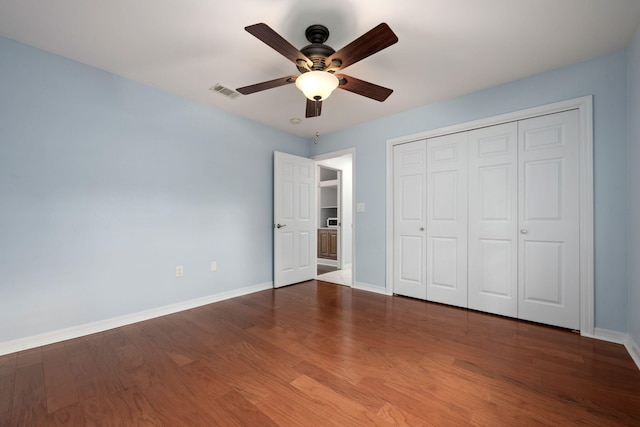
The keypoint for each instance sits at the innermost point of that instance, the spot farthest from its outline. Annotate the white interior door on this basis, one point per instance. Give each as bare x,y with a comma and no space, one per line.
409,219
493,219
549,247
294,231
447,219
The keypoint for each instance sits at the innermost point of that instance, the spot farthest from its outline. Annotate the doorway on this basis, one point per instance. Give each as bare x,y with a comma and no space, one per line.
335,217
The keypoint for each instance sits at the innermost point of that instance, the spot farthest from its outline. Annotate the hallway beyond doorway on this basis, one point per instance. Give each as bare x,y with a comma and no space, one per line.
333,275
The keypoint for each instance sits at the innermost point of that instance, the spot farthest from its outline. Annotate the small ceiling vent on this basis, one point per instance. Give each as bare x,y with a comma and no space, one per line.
225,91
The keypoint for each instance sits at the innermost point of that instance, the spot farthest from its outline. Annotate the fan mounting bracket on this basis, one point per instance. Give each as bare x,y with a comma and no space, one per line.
317,34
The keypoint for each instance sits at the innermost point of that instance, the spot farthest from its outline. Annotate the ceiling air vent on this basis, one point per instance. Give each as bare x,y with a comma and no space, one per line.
225,91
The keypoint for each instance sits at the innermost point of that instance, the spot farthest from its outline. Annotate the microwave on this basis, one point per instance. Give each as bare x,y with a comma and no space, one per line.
332,222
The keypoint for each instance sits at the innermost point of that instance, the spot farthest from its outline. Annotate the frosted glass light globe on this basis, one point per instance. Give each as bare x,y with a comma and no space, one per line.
317,85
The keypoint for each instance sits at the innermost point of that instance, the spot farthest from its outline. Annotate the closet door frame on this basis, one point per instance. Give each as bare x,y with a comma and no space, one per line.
584,105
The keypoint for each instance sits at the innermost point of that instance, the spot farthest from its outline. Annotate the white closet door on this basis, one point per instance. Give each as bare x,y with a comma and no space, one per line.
549,290
447,219
493,219
409,247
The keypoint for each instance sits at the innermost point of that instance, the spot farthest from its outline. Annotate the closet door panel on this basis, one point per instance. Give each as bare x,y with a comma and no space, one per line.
493,257
409,219
549,249
444,198
447,219
495,277
544,276
412,255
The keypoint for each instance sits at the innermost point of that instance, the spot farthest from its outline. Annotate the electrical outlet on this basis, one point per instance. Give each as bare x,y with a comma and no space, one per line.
214,266
179,271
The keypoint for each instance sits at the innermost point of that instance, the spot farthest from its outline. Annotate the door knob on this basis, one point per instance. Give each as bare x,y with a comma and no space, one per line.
524,231
421,228
280,225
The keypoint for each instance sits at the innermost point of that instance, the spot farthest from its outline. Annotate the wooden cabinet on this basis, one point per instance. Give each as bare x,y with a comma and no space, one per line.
333,244
328,243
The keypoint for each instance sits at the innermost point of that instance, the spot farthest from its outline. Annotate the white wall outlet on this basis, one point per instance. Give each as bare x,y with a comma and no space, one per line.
214,266
179,271
359,207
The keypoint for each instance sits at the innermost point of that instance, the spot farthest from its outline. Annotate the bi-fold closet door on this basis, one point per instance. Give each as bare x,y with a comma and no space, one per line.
447,219
491,221
429,219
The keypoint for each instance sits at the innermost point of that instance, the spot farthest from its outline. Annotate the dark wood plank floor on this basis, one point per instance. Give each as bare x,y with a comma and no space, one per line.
319,354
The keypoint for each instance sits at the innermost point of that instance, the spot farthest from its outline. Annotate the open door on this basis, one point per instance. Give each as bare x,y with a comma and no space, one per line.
294,216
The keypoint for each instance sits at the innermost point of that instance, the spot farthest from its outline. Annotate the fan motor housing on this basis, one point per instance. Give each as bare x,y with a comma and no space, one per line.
317,51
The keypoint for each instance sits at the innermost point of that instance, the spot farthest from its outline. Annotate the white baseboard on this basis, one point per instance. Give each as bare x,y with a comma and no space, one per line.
619,338
116,322
607,335
634,350
369,288
329,262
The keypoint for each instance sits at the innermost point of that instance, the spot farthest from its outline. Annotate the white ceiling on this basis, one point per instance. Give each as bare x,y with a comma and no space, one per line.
446,48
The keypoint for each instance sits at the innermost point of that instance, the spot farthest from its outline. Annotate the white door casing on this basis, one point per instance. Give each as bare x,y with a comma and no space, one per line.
339,228
493,219
447,219
549,243
294,232
409,235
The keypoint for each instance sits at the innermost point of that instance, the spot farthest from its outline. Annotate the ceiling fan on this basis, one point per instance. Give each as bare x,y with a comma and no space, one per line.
319,63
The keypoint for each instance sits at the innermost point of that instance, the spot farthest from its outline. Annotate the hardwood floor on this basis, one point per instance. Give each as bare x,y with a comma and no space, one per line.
320,354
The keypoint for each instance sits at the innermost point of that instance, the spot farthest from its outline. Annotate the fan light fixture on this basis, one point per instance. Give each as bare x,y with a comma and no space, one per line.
317,81
317,85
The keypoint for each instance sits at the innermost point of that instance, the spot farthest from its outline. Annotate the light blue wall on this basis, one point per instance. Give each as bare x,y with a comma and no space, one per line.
106,185
604,77
634,188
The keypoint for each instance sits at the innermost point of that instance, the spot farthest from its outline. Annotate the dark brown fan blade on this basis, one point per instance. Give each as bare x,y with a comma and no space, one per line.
369,43
363,88
266,85
279,44
314,108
